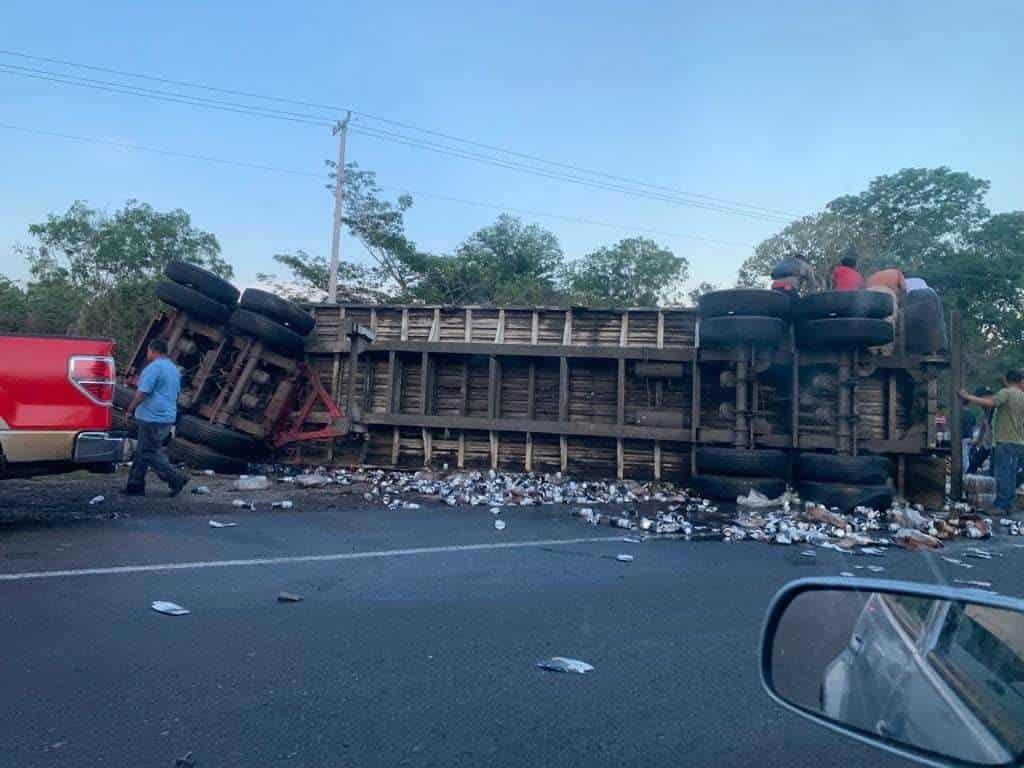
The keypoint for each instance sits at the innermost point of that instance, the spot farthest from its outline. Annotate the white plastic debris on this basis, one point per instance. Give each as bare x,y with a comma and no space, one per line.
315,480
757,500
624,558
169,608
219,524
563,664
252,483
209,472
499,525
282,504
201,490
239,504
97,500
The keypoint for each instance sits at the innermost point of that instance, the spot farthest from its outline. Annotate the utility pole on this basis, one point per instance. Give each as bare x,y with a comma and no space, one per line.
341,131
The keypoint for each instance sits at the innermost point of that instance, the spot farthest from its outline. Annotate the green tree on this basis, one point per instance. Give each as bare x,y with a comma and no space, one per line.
933,224
13,306
704,287
93,272
635,272
309,276
508,262
100,251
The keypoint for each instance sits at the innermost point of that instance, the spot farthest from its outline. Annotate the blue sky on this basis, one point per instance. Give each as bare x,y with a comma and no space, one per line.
783,105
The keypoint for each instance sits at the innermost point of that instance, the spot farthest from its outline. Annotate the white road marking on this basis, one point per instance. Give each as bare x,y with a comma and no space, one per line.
191,566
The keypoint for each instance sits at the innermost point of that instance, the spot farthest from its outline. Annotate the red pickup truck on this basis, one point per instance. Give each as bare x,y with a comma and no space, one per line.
55,405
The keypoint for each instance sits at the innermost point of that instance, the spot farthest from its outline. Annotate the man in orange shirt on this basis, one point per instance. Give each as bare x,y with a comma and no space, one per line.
845,277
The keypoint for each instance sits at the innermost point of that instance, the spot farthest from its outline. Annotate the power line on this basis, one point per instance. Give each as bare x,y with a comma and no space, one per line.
235,107
407,126
428,195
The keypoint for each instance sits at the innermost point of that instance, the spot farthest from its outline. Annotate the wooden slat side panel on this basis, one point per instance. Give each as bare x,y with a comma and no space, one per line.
512,452
675,461
638,459
448,384
680,327
485,325
518,326
378,398
643,329
592,391
410,450
411,394
591,457
389,324
546,453
479,375
550,326
546,390
594,328
420,321
453,324
478,447
515,379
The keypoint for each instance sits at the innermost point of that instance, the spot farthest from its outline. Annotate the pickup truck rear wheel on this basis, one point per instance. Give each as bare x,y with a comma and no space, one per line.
204,281
201,457
276,308
270,332
193,302
219,438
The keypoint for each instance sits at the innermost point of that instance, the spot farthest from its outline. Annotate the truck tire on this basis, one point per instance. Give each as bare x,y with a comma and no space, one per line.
858,470
738,330
193,302
846,497
844,304
219,438
725,488
742,463
848,332
745,301
123,397
201,457
204,281
270,332
925,323
283,311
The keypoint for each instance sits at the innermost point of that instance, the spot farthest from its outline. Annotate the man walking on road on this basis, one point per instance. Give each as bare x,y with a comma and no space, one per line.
1007,435
155,406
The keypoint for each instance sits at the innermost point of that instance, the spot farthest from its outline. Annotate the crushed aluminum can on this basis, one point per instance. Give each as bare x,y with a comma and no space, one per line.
845,573
875,568
209,472
97,500
219,524
564,664
169,608
282,504
201,490
495,510
289,597
239,504
499,525
632,540
624,558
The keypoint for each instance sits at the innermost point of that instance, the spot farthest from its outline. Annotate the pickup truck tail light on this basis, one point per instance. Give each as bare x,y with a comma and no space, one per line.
93,376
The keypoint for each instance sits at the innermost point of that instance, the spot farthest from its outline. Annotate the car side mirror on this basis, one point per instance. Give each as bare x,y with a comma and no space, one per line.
932,673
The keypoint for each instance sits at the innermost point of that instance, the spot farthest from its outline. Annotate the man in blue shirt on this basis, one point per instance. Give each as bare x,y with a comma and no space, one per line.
156,409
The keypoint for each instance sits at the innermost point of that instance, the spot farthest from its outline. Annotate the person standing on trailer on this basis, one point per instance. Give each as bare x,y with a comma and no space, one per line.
794,274
845,277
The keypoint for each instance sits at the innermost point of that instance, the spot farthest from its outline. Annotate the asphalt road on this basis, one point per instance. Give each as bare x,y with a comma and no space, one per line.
416,642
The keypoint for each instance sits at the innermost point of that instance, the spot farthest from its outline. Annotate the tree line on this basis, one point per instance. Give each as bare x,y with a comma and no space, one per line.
92,272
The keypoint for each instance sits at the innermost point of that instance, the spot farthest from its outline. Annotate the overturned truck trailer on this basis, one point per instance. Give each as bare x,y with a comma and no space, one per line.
752,389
